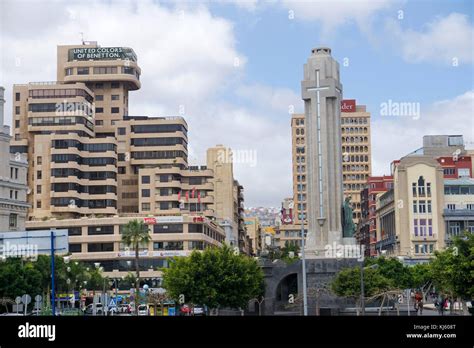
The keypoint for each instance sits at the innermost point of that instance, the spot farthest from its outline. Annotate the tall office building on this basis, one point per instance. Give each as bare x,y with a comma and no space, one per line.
356,156
322,94
93,167
356,152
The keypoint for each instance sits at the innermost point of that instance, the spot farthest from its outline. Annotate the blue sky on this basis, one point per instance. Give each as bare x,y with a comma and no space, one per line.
276,48
234,68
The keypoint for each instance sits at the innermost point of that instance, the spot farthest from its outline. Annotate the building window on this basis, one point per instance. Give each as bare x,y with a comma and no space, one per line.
105,70
449,171
83,71
470,206
428,206
99,85
98,230
451,206
164,205
75,231
17,96
175,245
69,71
17,110
99,122
122,170
415,210
170,228
100,247
75,247
145,193
99,97
422,207
145,206
145,179
195,228
454,228
38,188
38,204
415,224
115,97
115,85
13,220
99,110
122,130
114,110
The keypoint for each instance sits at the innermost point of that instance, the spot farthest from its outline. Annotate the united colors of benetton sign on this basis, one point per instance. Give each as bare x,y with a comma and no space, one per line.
102,53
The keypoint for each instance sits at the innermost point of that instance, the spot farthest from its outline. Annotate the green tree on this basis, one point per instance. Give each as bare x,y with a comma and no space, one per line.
347,283
18,277
216,277
452,270
399,275
135,234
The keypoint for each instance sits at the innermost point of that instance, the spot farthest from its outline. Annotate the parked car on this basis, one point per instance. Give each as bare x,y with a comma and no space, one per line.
143,310
199,311
99,309
125,308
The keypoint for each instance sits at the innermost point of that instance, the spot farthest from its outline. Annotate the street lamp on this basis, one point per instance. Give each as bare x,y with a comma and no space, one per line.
300,150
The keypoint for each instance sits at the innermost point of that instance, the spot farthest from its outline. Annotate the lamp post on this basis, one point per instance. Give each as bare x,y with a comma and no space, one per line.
303,258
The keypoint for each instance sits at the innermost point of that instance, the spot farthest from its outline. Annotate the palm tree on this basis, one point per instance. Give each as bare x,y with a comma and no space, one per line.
135,233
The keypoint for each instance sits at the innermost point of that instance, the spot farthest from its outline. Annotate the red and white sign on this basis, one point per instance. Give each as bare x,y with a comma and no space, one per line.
149,221
348,105
162,220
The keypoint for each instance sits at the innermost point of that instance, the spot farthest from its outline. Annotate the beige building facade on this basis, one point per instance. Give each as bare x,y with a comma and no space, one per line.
13,188
356,152
90,160
410,217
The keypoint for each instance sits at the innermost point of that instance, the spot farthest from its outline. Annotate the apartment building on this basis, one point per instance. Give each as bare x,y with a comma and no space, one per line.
366,234
13,188
92,164
430,202
356,152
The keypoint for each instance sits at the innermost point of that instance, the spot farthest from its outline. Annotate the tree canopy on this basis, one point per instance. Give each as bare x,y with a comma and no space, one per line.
216,277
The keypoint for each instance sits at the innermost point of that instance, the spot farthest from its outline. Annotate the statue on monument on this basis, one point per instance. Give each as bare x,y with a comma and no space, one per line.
348,226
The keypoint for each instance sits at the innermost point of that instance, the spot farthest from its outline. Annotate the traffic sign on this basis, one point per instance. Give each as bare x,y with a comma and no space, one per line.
38,298
112,303
18,300
26,299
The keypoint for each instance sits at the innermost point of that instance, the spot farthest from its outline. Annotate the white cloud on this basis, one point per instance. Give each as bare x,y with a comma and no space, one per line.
395,137
280,99
442,40
332,14
187,56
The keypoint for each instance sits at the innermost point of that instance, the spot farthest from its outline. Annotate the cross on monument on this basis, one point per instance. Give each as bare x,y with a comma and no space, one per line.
318,89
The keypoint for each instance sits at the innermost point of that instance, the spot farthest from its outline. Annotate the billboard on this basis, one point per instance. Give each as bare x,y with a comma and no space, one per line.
33,243
102,53
348,105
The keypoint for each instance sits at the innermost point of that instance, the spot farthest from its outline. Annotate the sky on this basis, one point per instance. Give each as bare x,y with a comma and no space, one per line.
233,69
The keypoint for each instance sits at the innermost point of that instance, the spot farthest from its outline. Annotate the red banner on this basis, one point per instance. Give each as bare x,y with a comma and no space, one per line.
348,105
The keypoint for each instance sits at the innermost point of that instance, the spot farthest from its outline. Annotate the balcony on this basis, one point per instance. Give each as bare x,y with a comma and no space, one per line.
466,214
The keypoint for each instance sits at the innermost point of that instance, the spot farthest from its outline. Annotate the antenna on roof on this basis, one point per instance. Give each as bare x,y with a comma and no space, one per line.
82,38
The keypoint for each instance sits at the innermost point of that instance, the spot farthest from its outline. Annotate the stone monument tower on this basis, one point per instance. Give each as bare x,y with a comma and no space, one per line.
321,92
